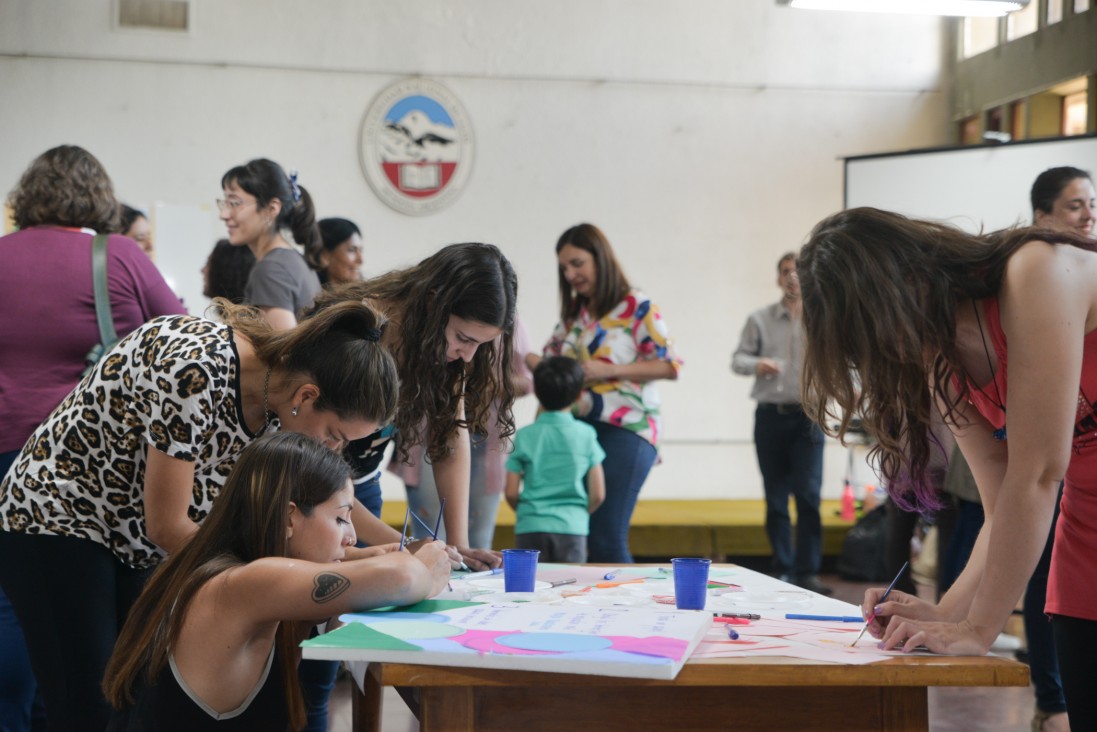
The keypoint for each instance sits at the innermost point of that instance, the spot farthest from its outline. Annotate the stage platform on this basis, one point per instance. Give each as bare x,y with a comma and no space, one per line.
661,528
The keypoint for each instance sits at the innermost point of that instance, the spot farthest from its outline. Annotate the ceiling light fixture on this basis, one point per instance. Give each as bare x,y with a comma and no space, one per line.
965,8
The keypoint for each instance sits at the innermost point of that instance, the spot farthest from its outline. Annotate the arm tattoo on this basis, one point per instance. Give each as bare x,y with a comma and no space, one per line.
327,586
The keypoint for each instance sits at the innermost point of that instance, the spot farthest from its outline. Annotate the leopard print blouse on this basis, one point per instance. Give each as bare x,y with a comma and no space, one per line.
172,384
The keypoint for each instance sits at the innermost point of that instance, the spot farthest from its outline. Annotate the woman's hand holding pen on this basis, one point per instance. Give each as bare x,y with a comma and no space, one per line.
955,639
899,605
434,555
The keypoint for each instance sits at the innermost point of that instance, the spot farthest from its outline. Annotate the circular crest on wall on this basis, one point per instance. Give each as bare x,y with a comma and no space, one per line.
416,146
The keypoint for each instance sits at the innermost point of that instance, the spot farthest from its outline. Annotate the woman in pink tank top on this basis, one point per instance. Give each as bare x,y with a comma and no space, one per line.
903,317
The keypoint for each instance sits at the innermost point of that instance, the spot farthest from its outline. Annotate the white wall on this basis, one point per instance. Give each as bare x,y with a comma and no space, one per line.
703,137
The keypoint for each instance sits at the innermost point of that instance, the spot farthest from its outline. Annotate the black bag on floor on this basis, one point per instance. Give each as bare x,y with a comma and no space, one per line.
863,556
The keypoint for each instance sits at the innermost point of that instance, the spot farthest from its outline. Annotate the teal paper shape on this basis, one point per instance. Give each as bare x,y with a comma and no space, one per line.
357,635
428,606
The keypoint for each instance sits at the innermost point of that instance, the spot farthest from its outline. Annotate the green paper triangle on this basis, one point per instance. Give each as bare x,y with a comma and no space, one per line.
357,635
428,606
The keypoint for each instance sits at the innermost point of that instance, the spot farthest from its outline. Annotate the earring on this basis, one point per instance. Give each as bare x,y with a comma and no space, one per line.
293,411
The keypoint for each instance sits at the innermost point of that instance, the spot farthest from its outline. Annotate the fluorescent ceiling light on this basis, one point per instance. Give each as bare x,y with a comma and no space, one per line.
921,7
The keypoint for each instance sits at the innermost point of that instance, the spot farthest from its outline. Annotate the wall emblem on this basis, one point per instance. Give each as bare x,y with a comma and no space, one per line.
416,146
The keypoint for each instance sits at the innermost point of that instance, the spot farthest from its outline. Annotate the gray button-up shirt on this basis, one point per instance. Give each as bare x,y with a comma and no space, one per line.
770,332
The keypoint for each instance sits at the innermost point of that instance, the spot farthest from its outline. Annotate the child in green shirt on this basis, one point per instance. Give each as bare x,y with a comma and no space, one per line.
554,456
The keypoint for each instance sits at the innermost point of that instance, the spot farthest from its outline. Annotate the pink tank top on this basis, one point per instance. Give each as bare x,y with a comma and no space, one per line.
1072,584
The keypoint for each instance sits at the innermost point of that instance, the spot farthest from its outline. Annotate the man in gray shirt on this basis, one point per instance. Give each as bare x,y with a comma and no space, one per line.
789,445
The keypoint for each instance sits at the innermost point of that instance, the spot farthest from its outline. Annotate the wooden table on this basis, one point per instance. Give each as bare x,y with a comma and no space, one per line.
709,694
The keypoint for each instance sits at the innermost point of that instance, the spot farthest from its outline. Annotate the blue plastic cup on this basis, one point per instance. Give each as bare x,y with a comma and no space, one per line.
519,569
690,582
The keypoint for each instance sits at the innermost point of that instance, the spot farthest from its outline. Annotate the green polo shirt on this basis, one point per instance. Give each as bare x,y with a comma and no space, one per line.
553,456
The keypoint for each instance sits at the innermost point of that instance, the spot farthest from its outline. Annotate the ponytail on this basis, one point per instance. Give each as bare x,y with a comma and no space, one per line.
338,348
300,219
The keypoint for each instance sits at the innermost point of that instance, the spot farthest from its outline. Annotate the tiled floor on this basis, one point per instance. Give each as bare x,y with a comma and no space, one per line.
950,709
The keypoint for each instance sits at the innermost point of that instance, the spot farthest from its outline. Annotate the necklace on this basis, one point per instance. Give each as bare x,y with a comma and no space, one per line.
999,434
266,402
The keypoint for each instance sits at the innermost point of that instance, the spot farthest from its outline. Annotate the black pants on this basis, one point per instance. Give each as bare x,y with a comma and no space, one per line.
71,597
790,457
1076,646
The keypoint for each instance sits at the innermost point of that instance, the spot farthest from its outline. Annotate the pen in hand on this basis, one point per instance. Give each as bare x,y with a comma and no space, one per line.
883,598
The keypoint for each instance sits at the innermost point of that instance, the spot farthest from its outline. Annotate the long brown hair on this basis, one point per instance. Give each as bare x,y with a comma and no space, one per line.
247,522
879,291
474,282
610,286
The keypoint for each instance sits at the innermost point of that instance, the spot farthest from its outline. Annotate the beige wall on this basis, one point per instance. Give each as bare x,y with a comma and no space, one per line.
705,138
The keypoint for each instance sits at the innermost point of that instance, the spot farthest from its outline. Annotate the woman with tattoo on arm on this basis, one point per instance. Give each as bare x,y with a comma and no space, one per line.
130,463
215,634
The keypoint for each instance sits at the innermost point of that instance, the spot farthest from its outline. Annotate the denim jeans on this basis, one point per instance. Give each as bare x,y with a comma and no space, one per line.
629,458
21,707
790,457
483,506
368,493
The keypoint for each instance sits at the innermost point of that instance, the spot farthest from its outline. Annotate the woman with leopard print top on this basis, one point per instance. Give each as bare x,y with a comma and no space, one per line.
129,464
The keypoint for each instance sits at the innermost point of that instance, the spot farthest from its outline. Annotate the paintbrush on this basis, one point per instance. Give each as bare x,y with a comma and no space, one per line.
887,592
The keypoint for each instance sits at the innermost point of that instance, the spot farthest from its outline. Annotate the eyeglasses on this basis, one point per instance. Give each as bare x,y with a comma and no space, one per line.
230,203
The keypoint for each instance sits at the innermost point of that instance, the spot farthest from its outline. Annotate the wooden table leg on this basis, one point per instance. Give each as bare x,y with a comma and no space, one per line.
366,704
904,708
448,708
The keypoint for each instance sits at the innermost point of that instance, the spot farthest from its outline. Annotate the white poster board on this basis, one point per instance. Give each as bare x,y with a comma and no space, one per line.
973,187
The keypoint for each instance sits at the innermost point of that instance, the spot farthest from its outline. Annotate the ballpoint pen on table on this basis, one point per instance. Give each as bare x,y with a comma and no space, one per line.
828,618
747,616
733,634
558,583
872,616
485,573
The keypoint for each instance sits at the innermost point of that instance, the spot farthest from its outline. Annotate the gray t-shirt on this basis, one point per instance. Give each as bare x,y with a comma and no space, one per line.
282,279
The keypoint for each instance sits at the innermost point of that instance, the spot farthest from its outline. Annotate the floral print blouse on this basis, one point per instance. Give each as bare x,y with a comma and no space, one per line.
633,331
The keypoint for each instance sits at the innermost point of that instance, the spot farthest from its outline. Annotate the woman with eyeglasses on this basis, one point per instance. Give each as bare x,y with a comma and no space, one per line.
260,202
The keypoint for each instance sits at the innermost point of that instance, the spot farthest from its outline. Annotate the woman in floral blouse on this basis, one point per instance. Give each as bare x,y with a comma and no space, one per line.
619,336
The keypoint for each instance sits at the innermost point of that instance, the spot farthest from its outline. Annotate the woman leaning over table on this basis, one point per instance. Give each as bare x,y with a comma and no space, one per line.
904,316
128,465
451,334
212,642
619,336
48,326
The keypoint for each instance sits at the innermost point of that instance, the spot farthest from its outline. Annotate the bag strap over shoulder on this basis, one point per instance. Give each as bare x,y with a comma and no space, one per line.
107,335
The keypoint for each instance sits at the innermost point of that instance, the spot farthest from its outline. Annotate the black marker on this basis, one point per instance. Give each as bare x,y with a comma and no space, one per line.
745,616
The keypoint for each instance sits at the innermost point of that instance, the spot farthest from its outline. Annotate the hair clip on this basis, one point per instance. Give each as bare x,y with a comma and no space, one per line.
372,334
293,184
